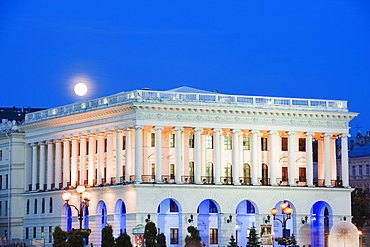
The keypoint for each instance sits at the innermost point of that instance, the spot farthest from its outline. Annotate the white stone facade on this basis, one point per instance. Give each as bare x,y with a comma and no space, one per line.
200,156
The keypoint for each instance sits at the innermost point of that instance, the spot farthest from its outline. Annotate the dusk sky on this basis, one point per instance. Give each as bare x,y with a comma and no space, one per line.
302,49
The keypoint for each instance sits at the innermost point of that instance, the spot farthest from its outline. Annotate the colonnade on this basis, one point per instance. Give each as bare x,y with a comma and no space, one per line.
99,158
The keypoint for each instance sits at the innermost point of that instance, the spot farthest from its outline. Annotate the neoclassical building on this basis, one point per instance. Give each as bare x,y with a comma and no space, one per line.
184,157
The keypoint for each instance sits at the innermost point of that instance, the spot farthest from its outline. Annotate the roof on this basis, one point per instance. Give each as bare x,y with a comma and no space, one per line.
185,89
360,152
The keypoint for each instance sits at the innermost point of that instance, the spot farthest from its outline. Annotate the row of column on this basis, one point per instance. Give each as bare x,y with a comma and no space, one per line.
56,161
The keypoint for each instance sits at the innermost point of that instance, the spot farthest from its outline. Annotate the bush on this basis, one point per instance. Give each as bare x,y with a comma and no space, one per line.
107,238
60,237
123,241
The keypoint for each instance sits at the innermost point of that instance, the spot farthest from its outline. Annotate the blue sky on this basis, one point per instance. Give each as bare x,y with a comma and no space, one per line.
302,49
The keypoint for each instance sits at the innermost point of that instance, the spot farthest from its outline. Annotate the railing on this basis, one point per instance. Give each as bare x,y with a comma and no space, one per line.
226,180
264,181
245,180
282,181
112,180
207,179
337,183
167,97
187,179
148,179
360,177
319,182
300,182
168,179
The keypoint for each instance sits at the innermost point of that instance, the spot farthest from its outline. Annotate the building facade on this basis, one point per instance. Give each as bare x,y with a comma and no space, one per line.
184,157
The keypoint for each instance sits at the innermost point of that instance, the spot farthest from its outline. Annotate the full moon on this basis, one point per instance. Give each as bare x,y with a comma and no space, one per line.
80,89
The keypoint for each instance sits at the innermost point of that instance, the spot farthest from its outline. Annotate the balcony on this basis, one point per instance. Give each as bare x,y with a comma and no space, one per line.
187,179
264,181
226,180
245,180
168,179
148,179
207,179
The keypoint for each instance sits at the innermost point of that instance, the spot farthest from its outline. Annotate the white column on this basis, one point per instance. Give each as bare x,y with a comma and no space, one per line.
27,167
309,159
42,170
273,156
158,153
100,168
119,156
74,161
291,160
128,154
83,148
178,145
138,152
66,161
235,156
216,154
254,153
345,172
91,157
58,163
50,166
327,160
109,163
34,180
198,155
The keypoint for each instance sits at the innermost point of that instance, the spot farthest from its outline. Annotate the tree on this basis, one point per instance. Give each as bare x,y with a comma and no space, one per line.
107,238
60,237
360,206
123,240
232,242
253,239
193,240
150,234
75,239
161,240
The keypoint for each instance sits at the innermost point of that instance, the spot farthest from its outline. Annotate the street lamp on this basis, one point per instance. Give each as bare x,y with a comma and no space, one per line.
286,211
85,197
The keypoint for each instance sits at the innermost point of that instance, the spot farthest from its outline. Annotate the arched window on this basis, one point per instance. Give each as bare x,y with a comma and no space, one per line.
228,170
43,206
153,170
265,174
35,207
28,207
246,170
51,205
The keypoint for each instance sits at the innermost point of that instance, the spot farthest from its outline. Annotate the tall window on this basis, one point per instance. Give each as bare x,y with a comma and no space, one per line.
35,207
228,170
172,171
209,169
27,232
250,208
6,181
227,143
50,234
6,208
123,142
246,170
28,207
174,233
173,206
1,208
152,139
153,171
302,174
246,143
1,182
43,206
213,236
191,170
302,144
1,155
51,205
367,170
263,144
353,171
172,140
284,143
360,170
34,232
191,141
209,142
284,172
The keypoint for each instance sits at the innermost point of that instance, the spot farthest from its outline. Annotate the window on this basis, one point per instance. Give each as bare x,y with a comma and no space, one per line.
246,143
213,236
35,208
191,170
302,174
105,145
172,171
360,170
367,170
96,146
50,234
51,205
27,232
1,182
43,206
227,143
42,232
191,141
353,171
28,207
209,142
174,232
250,208
34,232
87,149
228,170
246,170
284,173
123,142
1,208
172,140
153,171
263,144
302,144
1,155
284,143
152,140
6,208
6,181
173,206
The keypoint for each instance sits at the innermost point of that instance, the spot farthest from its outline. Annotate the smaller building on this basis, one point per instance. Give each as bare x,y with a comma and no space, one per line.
359,161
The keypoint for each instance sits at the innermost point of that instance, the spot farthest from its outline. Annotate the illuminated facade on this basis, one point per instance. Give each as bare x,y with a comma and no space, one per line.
186,157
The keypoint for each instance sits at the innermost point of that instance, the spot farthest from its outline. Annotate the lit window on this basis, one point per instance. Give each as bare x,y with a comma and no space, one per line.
209,142
367,170
360,170
227,143
246,143
302,144
213,236
191,141
263,144
152,139
284,144
174,235
172,140
172,171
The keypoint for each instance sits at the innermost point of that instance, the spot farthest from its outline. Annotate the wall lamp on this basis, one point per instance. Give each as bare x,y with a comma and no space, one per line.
304,221
191,219
230,219
267,219
148,218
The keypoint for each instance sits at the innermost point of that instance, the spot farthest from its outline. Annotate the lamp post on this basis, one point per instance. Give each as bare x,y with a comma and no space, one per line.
84,201
286,211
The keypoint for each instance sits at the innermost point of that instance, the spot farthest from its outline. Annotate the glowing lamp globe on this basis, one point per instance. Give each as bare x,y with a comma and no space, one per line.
66,196
284,205
274,211
86,196
288,210
80,189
